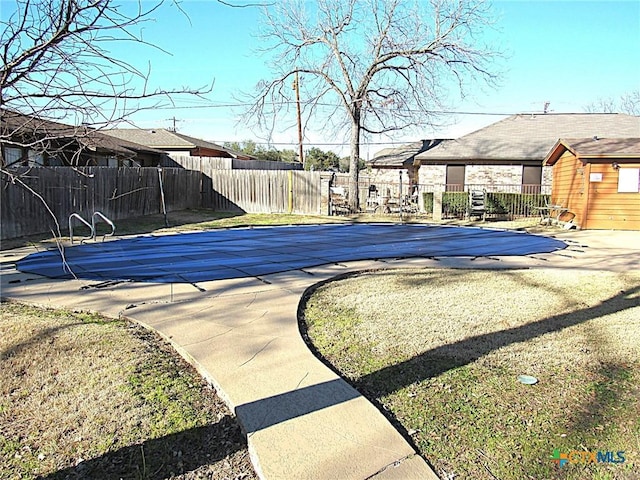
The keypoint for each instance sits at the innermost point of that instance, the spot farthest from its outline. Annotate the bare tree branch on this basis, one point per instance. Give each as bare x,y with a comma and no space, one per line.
387,63
629,103
57,63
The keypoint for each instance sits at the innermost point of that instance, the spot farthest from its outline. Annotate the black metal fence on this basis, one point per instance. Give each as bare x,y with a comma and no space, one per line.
501,201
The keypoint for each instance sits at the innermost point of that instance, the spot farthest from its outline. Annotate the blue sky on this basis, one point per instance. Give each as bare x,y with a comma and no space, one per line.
569,53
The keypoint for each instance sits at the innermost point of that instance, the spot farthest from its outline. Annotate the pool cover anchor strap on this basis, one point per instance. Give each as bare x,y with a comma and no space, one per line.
105,284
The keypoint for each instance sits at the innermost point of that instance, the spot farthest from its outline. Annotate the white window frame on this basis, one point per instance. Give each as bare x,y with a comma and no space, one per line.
628,180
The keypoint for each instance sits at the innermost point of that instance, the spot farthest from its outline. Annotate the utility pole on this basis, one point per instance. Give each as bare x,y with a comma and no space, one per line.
174,120
296,86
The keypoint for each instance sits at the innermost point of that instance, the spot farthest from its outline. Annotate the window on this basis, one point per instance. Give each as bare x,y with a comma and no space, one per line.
531,179
629,180
455,178
36,159
129,162
12,155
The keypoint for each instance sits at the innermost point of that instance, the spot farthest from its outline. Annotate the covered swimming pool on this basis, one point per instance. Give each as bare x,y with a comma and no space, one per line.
244,252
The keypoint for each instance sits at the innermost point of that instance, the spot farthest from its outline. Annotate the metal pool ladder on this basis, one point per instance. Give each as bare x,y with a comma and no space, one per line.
92,226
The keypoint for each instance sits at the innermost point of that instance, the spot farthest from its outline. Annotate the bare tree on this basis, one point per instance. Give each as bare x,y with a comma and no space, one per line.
56,65
371,66
602,105
629,103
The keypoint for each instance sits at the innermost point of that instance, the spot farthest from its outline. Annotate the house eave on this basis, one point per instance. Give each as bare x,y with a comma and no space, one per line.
480,160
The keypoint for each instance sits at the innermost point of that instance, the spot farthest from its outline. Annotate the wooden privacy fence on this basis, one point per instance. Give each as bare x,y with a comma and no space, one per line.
135,191
128,192
262,191
219,163
116,192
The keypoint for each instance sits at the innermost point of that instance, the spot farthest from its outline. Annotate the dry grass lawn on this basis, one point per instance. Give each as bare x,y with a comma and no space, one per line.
440,352
86,397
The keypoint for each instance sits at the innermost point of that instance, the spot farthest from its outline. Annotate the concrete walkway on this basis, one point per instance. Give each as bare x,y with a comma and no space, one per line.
302,421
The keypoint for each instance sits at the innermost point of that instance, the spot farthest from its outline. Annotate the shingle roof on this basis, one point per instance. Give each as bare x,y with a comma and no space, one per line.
604,147
167,140
530,137
157,138
17,125
596,148
202,143
399,156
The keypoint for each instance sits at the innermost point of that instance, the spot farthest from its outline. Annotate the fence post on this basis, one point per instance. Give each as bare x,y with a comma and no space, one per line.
290,180
437,203
162,203
325,185
400,196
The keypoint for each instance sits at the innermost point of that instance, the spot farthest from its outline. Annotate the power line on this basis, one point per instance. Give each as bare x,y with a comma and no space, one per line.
324,144
330,105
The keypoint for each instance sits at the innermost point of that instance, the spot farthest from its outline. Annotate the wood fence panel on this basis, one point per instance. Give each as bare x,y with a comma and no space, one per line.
306,192
261,191
198,163
116,192
128,192
238,164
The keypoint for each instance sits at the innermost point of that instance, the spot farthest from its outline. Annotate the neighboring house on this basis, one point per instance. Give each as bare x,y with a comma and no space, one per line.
511,151
387,164
597,180
175,143
31,141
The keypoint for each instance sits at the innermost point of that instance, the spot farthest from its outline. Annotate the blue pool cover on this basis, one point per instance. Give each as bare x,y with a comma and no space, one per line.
244,252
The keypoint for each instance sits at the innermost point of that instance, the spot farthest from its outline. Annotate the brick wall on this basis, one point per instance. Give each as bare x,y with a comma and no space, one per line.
493,174
432,174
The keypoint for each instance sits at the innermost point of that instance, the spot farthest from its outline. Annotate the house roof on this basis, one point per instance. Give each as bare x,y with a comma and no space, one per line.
157,137
167,140
530,136
595,148
402,155
39,131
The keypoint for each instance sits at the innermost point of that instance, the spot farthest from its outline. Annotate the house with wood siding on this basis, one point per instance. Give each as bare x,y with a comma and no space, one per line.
597,180
511,151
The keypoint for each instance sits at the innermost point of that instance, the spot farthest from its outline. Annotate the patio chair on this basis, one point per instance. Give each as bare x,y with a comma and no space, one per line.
339,201
551,213
477,204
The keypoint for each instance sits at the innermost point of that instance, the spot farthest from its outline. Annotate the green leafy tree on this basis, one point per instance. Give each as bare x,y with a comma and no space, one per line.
345,161
250,147
247,146
316,159
288,155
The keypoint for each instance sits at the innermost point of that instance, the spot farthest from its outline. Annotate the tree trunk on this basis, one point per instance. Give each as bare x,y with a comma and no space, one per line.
354,161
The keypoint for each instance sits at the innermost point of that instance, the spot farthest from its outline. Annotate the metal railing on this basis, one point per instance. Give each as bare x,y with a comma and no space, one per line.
104,219
76,216
91,226
503,201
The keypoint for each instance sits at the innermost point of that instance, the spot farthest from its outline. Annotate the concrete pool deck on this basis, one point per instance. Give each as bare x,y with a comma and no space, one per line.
301,419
